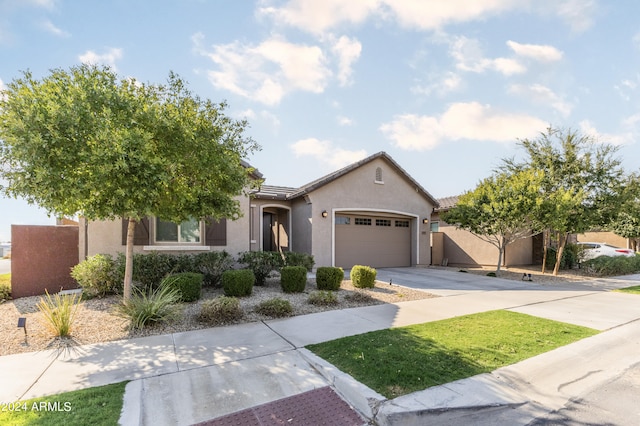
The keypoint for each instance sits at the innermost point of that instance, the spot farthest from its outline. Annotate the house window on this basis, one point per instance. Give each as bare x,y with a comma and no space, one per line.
402,223
383,222
343,220
379,175
170,232
363,221
435,226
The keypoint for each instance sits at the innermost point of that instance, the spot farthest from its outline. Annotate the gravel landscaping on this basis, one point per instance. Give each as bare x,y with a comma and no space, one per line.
95,321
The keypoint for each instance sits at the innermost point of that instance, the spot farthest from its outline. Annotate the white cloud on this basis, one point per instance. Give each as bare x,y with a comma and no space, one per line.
508,66
344,121
471,121
348,51
2,87
51,28
469,56
268,71
543,95
108,58
636,40
543,53
577,13
615,139
326,152
440,85
626,87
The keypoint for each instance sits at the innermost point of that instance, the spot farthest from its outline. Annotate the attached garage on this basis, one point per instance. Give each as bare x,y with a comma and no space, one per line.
374,240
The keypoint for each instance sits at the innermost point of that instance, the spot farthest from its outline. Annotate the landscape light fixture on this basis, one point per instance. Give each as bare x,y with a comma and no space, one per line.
22,323
325,214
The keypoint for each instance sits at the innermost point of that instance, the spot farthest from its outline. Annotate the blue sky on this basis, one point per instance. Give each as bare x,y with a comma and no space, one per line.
446,87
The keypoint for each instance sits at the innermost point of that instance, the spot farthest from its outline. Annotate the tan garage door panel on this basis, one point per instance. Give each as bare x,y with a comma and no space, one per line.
373,241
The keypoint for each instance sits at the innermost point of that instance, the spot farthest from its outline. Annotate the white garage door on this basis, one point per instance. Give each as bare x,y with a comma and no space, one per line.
372,240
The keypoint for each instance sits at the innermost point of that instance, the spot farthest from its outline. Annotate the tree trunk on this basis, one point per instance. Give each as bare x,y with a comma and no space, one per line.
500,256
128,269
546,240
562,242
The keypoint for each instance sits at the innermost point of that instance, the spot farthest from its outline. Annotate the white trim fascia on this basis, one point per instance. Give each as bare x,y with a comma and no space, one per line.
177,247
360,209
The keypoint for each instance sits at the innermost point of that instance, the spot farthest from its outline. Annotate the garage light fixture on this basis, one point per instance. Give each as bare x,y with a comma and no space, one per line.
425,220
325,214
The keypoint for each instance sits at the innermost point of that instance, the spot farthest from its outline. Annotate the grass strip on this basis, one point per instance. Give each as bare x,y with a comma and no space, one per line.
402,360
631,290
94,406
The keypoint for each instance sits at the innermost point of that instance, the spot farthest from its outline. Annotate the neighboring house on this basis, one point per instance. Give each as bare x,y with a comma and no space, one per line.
606,237
460,247
370,212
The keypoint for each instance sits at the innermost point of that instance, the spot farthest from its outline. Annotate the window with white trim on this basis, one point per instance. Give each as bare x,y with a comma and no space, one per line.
379,175
187,232
343,220
402,223
435,226
383,222
363,221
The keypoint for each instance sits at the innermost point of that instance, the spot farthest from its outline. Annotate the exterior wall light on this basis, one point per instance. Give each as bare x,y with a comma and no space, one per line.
425,221
325,214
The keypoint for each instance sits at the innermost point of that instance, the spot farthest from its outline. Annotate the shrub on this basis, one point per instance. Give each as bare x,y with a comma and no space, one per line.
491,274
323,298
152,307
292,258
212,265
96,275
329,278
238,282
5,287
359,297
617,265
220,310
188,284
275,308
262,263
293,279
59,312
363,276
148,269
570,257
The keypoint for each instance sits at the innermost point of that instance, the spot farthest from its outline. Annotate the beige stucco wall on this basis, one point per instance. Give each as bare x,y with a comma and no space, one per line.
604,237
105,237
357,191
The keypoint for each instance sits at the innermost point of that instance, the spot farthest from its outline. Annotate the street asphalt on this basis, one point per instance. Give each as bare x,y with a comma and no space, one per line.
191,377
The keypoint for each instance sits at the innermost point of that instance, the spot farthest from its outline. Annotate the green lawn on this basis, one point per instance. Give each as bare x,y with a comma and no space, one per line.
402,360
633,290
5,278
94,406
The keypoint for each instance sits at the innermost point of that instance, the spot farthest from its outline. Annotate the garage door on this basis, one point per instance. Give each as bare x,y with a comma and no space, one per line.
372,240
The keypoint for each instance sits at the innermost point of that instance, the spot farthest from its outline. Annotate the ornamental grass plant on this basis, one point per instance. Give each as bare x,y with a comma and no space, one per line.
59,312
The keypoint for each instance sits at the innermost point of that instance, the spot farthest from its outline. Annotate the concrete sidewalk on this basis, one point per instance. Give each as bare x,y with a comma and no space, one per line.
190,377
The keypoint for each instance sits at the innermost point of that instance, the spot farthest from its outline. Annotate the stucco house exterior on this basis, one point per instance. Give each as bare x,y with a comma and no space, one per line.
371,212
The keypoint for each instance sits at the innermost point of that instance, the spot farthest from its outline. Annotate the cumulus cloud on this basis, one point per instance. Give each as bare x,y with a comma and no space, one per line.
543,53
471,121
326,152
543,95
49,27
348,51
344,121
612,138
268,71
577,13
468,55
107,58
439,85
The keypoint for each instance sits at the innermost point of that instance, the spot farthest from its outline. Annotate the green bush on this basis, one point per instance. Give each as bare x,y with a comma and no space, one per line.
5,291
59,312
238,282
359,296
275,308
148,269
96,275
570,257
293,279
262,263
221,310
617,265
153,307
363,276
212,265
188,284
329,278
323,298
292,258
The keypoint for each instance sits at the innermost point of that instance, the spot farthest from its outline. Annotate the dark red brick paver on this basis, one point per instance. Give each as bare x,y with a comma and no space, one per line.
317,407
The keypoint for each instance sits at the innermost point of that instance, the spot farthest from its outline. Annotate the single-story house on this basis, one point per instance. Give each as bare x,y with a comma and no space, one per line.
371,212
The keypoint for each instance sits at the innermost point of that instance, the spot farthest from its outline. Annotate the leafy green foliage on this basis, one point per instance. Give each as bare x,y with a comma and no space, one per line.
363,276
5,287
59,312
188,284
616,265
292,258
570,256
97,275
275,308
323,298
329,278
293,279
212,265
86,141
221,310
238,283
402,360
146,308
262,263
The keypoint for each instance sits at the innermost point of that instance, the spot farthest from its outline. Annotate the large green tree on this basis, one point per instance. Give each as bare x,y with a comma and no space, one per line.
85,141
627,223
501,209
582,178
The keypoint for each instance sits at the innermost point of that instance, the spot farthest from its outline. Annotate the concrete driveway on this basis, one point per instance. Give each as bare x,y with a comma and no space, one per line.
5,266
